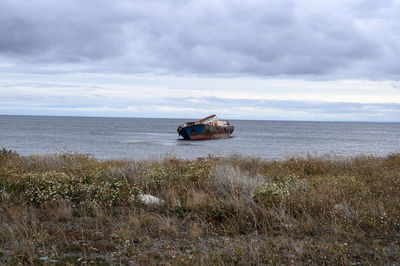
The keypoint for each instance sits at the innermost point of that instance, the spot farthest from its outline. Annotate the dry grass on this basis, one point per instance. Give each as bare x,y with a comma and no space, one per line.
72,208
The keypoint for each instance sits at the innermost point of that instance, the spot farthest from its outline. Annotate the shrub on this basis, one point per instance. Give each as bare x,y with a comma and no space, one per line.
51,186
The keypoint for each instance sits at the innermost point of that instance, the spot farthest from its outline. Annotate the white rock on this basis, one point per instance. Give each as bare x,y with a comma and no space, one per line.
344,209
46,259
340,207
148,199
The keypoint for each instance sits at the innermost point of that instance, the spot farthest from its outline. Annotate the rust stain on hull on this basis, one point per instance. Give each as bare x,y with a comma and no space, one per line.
209,127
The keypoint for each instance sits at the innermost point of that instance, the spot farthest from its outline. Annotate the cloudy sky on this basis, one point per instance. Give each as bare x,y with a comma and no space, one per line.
280,60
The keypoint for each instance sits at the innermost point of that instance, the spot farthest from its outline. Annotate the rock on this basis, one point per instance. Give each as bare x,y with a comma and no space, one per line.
343,209
391,251
150,200
46,259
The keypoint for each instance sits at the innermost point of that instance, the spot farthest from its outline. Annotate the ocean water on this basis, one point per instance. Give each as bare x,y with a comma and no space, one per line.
141,138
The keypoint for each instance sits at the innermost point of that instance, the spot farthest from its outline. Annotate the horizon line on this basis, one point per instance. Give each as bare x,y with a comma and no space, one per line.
238,119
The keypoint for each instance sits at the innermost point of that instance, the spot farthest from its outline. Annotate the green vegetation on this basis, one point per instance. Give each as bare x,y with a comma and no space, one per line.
72,208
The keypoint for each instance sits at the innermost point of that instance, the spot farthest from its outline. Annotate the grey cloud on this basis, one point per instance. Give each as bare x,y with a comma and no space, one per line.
309,110
266,38
233,108
42,31
44,85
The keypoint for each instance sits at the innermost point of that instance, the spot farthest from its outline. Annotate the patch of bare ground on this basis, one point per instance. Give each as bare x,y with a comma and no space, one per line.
71,208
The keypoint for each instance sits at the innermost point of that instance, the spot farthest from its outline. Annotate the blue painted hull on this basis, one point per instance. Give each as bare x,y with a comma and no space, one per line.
205,131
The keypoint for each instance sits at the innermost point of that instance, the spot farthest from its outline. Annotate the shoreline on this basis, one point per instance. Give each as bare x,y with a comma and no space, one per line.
74,208
169,155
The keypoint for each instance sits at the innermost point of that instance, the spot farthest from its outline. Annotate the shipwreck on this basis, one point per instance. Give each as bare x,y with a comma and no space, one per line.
209,127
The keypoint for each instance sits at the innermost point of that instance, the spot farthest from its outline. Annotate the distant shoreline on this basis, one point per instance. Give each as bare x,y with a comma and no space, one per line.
194,118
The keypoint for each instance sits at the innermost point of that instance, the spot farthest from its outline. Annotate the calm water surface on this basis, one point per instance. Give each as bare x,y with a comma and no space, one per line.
139,138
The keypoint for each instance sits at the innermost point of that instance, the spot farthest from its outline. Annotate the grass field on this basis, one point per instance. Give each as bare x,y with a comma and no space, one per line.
72,208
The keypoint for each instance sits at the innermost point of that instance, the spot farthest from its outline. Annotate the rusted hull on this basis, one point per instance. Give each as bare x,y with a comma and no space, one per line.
204,131
212,136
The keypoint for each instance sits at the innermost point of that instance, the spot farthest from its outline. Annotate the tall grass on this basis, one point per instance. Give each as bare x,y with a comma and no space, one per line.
72,208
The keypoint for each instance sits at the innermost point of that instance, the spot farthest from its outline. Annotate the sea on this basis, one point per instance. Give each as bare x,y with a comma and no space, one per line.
155,138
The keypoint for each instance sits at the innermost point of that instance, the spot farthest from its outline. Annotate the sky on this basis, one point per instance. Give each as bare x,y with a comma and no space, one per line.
272,60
